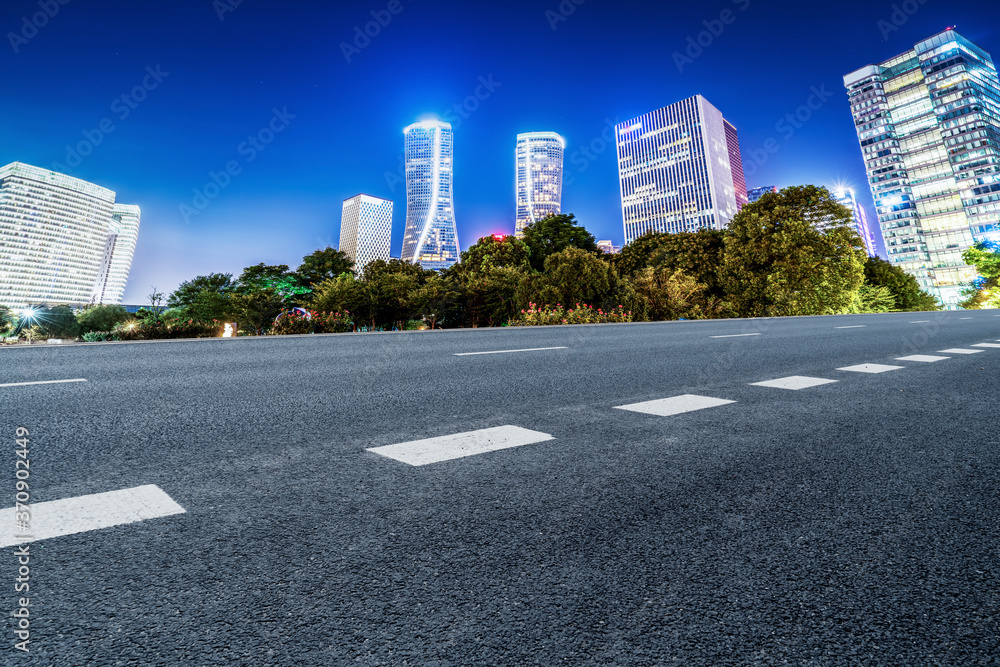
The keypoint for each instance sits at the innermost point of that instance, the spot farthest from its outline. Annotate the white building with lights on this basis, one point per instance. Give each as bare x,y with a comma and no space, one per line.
679,170
62,240
431,237
846,197
539,177
366,230
928,121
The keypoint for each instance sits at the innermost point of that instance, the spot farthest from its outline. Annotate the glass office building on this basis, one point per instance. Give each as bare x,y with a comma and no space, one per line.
847,198
62,240
366,230
676,171
928,121
756,193
431,237
539,177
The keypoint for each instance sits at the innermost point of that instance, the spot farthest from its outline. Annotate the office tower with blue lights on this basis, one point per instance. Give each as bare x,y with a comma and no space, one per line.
431,237
539,177
366,230
929,125
676,170
846,198
756,193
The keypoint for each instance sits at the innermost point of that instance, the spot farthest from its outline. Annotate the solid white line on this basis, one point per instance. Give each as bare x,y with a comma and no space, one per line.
738,335
858,326
85,513
28,384
794,383
536,349
923,358
668,407
460,445
871,368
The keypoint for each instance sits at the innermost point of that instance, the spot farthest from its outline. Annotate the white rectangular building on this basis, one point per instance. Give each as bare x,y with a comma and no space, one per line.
366,230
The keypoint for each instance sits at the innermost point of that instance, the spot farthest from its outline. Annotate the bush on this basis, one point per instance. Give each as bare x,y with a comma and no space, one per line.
99,336
297,322
168,330
101,318
536,315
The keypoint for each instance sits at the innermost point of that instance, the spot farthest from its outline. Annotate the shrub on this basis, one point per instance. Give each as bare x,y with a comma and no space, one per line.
169,329
101,318
536,315
98,336
297,322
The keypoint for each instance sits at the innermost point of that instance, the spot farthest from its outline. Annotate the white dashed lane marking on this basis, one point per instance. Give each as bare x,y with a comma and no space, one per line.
460,445
28,384
921,322
859,326
871,368
737,335
667,407
794,383
923,358
537,349
986,345
959,350
85,513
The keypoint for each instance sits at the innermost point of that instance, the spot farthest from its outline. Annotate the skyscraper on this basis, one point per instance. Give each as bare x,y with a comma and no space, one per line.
736,162
847,198
539,176
675,170
929,125
62,240
431,234
756,193
366,230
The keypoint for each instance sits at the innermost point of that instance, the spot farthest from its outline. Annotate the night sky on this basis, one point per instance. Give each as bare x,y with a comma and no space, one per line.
206,84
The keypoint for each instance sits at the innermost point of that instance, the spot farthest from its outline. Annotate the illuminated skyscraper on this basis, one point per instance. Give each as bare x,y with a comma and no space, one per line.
929,125
736,162
676,171
431,234
847,198
366,230
539,175
62,240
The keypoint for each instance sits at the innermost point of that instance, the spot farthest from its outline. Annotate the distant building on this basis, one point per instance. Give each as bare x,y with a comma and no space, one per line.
757,193
431,237
62,240
675,170
928,121
539,177
847,198
608,247
736,162
366,230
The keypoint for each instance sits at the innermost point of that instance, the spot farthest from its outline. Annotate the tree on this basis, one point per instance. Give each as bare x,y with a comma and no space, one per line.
6,321
387,291
277,278
336,295
904,288
101,318
323,265
215,283
671,294
985,291
156,304
777,262
493,253
696,254
441,300
555,234
56,322
256,310
577,276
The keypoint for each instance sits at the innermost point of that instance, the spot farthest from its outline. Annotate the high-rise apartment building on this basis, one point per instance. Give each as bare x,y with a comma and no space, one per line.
756,193
929,125
366,230
539,177
431,237
62,240
847,198
676,171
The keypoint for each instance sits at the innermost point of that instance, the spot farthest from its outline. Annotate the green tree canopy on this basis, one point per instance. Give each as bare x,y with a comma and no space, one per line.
697,255
262,277
492,253
575,275
256,309
323,265
216,283
904,288
555,234
101,318
777,262
984,292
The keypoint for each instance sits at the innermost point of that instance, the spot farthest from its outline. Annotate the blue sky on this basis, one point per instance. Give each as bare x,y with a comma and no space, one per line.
161,96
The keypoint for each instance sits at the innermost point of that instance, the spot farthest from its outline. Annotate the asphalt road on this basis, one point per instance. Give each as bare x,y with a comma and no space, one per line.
851,523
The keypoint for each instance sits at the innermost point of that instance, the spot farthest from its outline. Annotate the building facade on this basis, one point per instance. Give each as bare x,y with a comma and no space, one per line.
431,237
736,162
366,230
928,121
539,177
756,193
847,198
675,170
62,240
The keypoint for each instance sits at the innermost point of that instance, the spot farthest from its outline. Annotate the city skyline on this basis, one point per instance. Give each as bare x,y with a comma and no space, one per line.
160,124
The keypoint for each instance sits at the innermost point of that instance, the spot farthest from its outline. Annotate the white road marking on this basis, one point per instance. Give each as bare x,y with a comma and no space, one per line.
858,326
667,407
85,513
536,349
738,335
871,368
28,384
924,358
959,350
921,322
795,383
461,445
965,318
986,345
